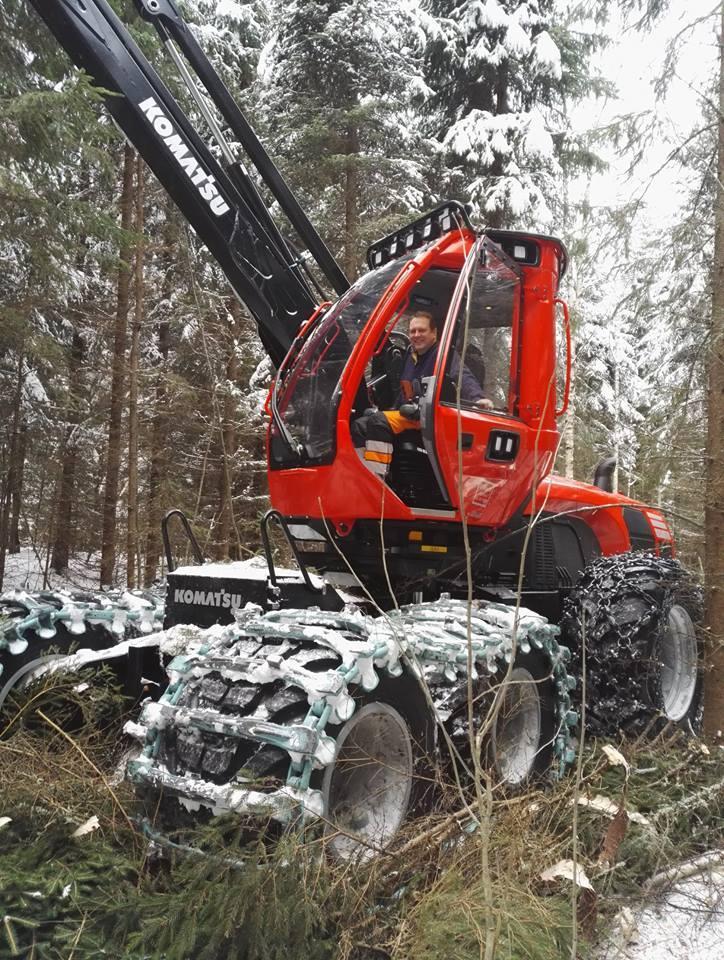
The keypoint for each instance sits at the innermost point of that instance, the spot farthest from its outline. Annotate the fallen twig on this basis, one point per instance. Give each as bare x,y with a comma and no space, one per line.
691,868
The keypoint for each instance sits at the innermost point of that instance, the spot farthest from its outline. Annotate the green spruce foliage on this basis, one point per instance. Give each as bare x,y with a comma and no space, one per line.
151,881
341,83
502,74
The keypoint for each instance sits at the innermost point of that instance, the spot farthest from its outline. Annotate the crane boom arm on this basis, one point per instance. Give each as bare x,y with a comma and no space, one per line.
216,196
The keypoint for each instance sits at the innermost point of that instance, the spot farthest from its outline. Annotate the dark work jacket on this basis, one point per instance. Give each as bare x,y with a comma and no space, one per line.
417,368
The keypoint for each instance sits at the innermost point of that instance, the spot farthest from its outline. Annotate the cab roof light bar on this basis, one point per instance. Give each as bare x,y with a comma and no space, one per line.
443,219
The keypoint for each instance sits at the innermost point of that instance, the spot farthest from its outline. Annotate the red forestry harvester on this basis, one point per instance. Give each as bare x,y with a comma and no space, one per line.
430,541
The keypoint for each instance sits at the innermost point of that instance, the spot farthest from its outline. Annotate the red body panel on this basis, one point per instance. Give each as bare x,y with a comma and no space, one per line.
340,493
491,491
345,490
601,510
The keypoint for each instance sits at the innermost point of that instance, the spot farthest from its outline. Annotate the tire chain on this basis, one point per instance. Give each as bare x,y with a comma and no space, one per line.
33,620
262,649
618,688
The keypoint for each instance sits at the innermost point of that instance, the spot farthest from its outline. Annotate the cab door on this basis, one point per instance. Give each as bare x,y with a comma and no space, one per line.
487,459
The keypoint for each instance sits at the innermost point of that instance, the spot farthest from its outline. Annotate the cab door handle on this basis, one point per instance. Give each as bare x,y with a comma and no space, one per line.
466,441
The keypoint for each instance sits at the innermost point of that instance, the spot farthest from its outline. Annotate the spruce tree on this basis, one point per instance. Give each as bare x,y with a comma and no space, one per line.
341,81
503,74
55,229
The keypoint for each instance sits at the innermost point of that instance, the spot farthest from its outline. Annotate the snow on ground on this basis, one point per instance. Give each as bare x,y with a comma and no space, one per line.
686,923
24,571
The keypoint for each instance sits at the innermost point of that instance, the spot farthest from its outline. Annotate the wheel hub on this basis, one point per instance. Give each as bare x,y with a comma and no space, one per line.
367,789
679,664
516,733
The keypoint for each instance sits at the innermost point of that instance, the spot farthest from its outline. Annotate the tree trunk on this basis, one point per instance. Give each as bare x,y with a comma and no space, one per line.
227,526
35,524
13,471
153,532
16,490
133,572
158,424
113,462
714,508
497,219
351,202
52,521
63,534
616,427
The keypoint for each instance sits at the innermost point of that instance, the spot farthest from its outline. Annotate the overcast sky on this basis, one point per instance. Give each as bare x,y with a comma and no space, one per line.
632,62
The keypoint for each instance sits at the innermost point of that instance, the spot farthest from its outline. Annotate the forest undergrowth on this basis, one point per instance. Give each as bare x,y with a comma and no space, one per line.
83,875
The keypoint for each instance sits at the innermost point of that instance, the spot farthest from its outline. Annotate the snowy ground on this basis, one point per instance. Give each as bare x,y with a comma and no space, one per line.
686,923
24,571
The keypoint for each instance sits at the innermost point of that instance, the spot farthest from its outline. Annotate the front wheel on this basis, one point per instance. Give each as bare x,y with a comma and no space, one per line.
380,773
636,617
678,655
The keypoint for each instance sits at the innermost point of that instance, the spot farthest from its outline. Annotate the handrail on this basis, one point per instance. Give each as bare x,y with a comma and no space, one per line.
198,554
281,521
567,328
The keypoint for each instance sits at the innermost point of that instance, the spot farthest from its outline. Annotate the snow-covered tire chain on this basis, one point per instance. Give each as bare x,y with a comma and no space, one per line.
304,714
36,629
639,615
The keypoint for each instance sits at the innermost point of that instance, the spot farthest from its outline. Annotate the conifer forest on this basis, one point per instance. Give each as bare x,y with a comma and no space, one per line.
133,381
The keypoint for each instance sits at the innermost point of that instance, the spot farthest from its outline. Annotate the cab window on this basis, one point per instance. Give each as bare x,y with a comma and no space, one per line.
479,363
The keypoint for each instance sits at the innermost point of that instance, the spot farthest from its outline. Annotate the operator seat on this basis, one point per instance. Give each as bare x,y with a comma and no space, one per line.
411,475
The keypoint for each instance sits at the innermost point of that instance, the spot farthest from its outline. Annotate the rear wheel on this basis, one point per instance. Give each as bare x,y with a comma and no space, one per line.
636,617
27,652
377,778
36,630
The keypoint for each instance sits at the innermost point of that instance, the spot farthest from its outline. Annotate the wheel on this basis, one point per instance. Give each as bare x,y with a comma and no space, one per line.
30,650
679,659
520,745
637,616
380,774
375,780
30,637
318,718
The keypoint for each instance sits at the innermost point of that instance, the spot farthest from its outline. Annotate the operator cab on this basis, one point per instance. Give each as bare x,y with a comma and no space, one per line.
351,356
476,374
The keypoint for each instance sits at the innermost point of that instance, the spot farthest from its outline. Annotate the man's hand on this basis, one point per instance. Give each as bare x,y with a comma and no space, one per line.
484,404
410,411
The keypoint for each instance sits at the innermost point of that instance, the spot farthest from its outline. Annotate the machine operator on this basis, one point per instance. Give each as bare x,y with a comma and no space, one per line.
373,433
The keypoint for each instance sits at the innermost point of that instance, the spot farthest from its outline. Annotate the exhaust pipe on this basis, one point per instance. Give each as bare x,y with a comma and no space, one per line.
603,474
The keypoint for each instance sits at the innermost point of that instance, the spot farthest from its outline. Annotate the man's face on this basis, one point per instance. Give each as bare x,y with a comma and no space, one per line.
422,335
